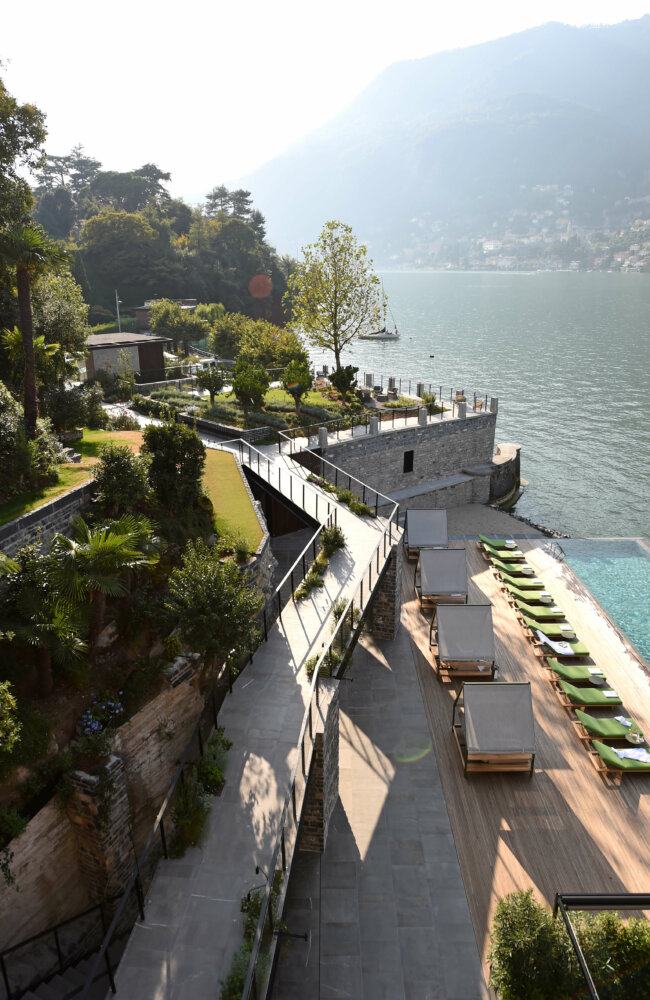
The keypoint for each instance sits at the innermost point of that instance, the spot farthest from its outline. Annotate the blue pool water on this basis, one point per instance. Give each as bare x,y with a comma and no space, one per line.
617,572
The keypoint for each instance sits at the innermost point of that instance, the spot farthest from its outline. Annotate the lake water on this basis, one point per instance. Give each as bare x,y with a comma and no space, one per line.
567,355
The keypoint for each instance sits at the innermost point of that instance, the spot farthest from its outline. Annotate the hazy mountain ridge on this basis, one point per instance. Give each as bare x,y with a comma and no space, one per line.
460,139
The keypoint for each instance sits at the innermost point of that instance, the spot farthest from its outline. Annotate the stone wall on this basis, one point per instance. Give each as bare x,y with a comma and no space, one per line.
212,427
51,518
441,449
323,788
54,883
384,615
506,468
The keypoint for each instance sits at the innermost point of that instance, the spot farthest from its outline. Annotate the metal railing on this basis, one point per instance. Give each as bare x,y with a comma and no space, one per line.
331,661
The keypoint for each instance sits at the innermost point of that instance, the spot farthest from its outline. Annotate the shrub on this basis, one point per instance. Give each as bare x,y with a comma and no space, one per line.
9,723
123,422
210,767
34,740
191,807
332,538
121,479
12,824
106,710
311,581
177,458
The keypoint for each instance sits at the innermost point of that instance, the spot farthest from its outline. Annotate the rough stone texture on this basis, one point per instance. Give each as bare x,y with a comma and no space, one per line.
441,449
323,789
383,617
99,813
51,518
46,868
506,474
151,743
212,427
457,494
46,861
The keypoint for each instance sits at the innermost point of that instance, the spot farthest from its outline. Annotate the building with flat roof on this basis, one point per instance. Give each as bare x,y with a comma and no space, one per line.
145,353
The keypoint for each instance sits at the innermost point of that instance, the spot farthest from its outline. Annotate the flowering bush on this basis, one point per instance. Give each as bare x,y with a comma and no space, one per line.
104,712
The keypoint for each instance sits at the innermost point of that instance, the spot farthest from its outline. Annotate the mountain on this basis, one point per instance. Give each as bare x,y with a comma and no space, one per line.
474,140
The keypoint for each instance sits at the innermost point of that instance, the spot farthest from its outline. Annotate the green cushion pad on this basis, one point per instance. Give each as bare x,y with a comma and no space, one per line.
588,696
612,759
609,729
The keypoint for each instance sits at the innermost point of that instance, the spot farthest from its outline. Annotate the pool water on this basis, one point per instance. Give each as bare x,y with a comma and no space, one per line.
617,572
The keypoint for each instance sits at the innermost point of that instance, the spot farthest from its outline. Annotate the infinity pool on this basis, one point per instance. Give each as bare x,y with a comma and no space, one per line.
617,572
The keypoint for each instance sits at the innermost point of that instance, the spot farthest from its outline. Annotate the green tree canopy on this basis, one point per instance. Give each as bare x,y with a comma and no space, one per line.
212,604
177,459
250,383
333,295
262,343
212,379
297,379
170,319
22,134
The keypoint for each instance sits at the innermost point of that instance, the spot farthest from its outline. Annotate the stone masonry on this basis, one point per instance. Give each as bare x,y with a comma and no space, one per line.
323,788
51,518
99,812
384,615
441,449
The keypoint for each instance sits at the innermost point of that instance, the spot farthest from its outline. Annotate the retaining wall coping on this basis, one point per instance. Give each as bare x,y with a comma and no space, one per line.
52,507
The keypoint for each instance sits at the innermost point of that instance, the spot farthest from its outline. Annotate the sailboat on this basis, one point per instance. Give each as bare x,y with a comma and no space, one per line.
384,333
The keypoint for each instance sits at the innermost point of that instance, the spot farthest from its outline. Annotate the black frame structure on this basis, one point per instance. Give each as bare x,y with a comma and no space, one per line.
565,901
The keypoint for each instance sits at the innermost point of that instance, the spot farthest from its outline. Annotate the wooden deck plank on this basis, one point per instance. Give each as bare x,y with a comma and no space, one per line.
566,829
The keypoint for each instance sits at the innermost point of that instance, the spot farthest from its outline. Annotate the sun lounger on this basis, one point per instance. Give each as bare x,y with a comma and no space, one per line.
505,555
577,673
512,569
589,726
551,629
561,649
608,760
520,583
540,612
495,543
570,696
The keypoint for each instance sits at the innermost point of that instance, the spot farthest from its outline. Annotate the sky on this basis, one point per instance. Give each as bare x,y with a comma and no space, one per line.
209,92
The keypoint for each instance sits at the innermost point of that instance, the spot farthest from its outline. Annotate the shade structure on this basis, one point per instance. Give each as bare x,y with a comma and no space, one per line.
425,529
441,575
497,732
465,639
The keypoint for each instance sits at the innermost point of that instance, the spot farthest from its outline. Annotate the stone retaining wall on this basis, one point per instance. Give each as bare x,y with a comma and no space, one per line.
440,450
55,516
384,614
213,427
506,471
323,788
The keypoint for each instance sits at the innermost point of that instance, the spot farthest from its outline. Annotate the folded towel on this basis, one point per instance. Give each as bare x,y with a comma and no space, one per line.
640,754
562,647
555,611
610,694
623,721
595,670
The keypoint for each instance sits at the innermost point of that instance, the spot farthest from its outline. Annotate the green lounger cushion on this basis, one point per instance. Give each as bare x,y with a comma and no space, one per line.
505,554
496,543
588,696
521,582
612,759
570,671
577,648
607,729
551,629
539,610
514,567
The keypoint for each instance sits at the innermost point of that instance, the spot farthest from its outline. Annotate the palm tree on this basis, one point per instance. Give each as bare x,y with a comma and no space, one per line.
94,562
30,250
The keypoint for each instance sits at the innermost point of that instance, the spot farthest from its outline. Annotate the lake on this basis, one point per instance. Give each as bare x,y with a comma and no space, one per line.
567,355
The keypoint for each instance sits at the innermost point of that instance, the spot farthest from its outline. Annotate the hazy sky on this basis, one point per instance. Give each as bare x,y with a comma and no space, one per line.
211,91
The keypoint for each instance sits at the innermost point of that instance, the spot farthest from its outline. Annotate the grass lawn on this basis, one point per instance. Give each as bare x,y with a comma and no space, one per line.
232,506
233,510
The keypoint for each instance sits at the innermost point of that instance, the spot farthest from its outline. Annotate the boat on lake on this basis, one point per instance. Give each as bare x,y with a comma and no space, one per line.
384,333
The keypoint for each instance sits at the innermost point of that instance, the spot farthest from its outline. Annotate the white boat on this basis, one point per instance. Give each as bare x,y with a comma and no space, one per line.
384,333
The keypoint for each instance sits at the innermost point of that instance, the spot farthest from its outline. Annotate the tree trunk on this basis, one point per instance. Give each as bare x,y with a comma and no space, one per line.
97,609
30,392
45,677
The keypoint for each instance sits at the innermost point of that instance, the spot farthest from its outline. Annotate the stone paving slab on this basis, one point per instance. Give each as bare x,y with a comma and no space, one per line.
189,946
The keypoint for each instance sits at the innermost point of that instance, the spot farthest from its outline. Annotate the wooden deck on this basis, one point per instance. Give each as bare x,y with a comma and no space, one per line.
567,829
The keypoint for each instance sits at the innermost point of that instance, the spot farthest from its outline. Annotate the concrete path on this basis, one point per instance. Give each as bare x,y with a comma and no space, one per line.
386,905
194,925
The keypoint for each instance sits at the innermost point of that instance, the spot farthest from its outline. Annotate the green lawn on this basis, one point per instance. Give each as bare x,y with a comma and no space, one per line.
232,506
221,479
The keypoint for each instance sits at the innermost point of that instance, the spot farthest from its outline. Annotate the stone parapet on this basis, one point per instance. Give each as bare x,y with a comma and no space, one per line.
382,620
52,518
323,787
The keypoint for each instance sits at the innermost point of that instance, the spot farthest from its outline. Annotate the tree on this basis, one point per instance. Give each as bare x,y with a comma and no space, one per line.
121,479
262,343
169,319
212,604
332,294
297,379
212,379
60,313
29,250
22,134
250,383
92,563
345,379
177,459
217,200
56,212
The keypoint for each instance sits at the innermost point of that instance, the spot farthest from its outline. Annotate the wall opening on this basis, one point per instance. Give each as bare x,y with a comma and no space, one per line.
408,461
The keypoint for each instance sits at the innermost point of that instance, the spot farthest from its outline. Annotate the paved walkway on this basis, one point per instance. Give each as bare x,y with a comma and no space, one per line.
386,905
194,924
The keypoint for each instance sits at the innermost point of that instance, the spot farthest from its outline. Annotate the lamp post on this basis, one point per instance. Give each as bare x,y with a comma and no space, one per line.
117,306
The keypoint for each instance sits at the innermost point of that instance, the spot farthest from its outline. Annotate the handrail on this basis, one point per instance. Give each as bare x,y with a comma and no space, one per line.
134,880
250,989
